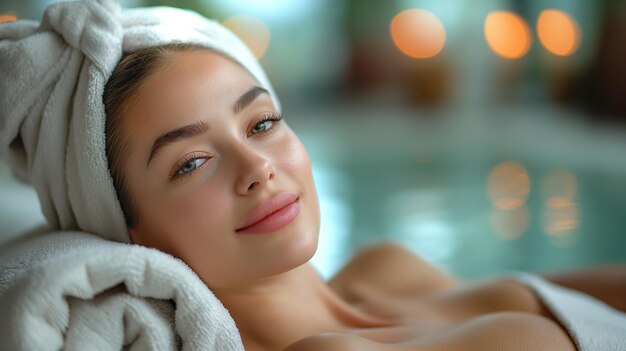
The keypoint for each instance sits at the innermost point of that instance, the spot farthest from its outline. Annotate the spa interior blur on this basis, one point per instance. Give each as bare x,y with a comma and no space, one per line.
487,136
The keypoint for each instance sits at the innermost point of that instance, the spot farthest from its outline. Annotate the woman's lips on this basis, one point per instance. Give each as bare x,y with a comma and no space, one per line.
272,214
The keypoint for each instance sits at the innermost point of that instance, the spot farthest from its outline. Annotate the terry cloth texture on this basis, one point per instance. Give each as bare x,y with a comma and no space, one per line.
77,291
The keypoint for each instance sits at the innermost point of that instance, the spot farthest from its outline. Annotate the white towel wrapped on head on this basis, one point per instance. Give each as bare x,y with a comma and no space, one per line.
76,291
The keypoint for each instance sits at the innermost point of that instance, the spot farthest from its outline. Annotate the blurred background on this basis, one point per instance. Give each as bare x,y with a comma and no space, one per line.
486,136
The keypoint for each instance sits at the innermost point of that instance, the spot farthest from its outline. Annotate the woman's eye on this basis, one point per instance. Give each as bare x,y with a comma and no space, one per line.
266,124
191,165
261,127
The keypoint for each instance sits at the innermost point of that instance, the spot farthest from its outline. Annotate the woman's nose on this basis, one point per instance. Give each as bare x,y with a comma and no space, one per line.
255,171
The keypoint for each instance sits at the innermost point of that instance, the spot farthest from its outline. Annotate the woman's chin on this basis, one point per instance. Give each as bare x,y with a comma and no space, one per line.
299,254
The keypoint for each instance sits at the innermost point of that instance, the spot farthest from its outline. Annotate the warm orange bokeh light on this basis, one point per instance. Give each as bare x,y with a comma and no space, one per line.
558,32
509,224
7,17
508,185
561,213
418,33
507,34
560,216
251,31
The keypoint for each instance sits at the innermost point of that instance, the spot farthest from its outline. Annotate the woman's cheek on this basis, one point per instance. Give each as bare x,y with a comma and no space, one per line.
295,157
202,209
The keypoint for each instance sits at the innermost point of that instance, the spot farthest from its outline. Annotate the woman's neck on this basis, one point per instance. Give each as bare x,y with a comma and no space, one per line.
283,309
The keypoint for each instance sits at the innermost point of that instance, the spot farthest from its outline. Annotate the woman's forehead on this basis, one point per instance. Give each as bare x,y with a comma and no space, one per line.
198,79
193,86
213,70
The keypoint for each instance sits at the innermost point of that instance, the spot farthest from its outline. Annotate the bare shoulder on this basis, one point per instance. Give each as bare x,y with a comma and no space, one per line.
390,269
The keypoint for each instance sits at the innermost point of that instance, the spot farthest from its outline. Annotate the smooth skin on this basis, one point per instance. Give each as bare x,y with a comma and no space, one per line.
200,187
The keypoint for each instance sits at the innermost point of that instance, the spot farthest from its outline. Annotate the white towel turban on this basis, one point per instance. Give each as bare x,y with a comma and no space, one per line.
52,120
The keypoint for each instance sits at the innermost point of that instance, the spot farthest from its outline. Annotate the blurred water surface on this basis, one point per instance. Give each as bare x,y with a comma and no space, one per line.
534,190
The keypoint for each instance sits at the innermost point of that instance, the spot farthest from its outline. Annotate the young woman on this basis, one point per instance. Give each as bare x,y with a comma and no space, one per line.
207,170
157,126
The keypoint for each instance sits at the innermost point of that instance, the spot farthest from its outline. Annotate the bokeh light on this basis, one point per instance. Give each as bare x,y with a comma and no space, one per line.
7,17
418,33
509,224
561,213
508,185
560,217
507,34
558,32
251,31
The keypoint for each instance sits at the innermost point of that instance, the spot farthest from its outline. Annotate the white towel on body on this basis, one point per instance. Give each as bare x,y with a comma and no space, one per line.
592,324
77,291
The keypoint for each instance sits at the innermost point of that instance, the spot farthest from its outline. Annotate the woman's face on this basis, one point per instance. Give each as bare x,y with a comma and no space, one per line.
214,177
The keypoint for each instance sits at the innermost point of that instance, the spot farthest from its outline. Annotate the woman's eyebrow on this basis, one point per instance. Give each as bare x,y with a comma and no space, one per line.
185,132
247,98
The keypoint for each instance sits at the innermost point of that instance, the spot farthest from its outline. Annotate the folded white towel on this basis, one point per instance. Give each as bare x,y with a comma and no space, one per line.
77,291
52,118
